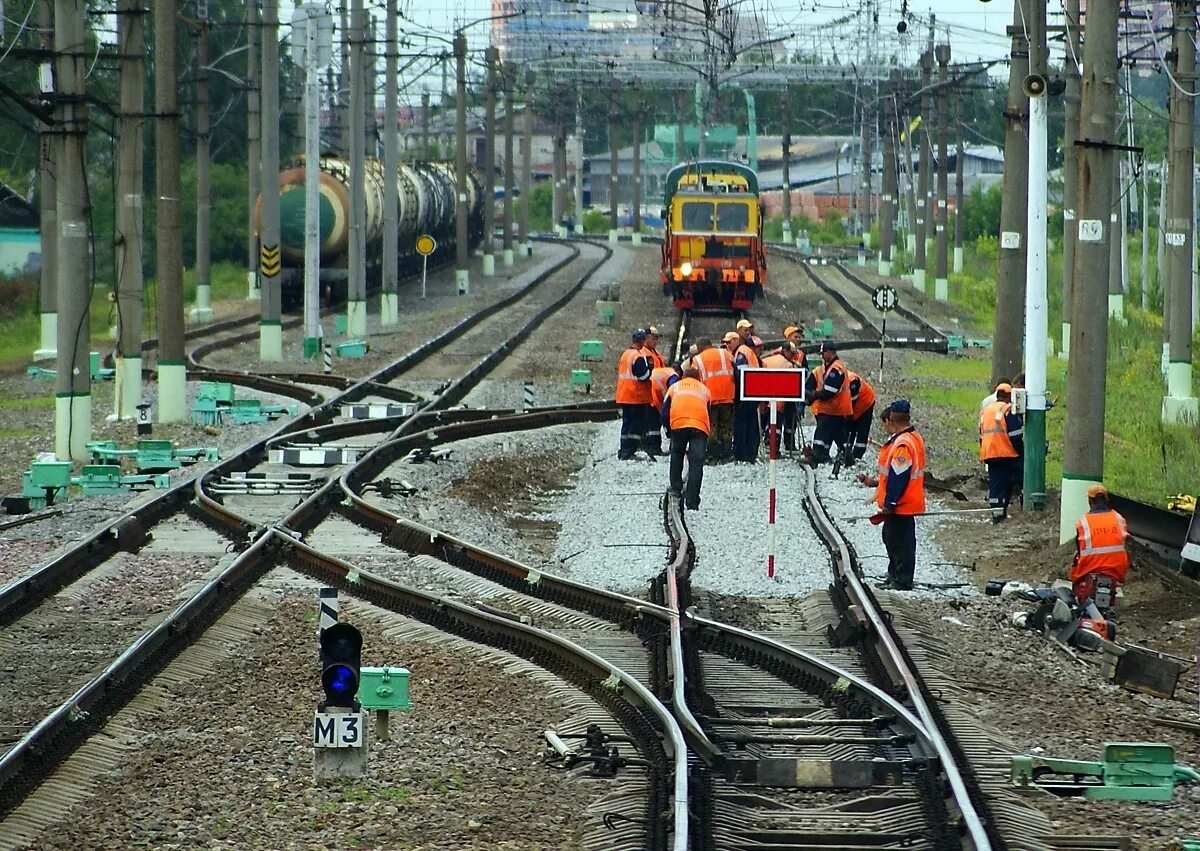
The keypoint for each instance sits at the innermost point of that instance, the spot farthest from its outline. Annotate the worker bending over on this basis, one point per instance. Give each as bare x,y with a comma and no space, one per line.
1001,447
1101,561
685,411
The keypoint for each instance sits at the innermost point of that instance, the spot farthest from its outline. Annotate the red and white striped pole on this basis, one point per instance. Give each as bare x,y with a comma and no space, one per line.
774,446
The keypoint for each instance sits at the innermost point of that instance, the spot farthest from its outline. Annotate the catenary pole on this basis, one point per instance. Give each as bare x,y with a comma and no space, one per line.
270,331
1010,271
356,295
1036,300
958,185
202,312
636,212
578,160
1179,405
1116,220
923,169
312,184
462,274
48,204
131,44
887,187
864,204
785,197
1083,451
614,164
491,56
1074,54
941,277
527,162
510,98
253,148
72,384
389,307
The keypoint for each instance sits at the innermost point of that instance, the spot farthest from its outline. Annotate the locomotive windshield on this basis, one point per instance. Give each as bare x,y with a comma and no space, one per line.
697,215
733,218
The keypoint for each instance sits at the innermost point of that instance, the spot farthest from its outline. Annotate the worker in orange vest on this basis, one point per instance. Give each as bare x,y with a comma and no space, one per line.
746,431
862,411
715,365
1101,561
829,388
661,377
651,347
685,411
786,356
633,395
1001,447
900,493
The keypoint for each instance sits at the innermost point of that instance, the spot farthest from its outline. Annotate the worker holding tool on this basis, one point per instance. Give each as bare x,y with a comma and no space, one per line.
685,411
1001,447
900,493
1101,561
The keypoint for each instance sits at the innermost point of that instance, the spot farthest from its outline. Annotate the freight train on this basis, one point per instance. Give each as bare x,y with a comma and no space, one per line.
713,254
425,194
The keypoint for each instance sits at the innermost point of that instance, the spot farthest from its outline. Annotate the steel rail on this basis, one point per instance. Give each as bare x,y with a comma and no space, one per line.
890,650
907,313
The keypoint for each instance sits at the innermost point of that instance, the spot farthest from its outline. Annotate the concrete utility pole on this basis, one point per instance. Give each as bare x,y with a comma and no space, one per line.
904,122
309,24
614,163
356,297
1145,237
558,201
958,186
389,306
1179,405
172,368
527,163
424,152
202,312
924,183
1010,272
888,191
786,143
47,202
1116,265
681,101
253,149
72,385
1160,260
1083,451
462,273
510,97
578,160
1074,54
270,331
343,87
636,213
131,45
491,56
864,205
1036,300
941,276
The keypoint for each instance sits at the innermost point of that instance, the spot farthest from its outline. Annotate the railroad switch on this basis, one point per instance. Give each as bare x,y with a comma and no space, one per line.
1130,771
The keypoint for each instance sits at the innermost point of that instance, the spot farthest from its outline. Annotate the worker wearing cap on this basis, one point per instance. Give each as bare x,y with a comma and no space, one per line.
1001,447
685,410
786,356
744,329
661,378
715,367
651,347
829,390
746,431
862,411
900,493
633,395
1100,537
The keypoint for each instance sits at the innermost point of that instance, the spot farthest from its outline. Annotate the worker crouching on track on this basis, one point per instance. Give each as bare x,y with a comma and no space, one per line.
746,431
1101,561
715,365
685,411
1001,447
829,388
633,395
900,493
786,356
862,411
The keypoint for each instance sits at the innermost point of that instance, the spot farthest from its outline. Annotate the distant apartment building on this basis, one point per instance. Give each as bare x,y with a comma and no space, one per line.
529,31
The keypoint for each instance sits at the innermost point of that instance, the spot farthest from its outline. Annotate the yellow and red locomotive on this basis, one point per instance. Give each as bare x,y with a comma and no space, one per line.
713,254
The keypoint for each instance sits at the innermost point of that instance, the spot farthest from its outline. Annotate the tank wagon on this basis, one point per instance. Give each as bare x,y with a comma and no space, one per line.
713,254
425,195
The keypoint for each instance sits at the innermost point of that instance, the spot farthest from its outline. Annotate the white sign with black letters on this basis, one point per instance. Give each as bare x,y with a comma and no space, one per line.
337,730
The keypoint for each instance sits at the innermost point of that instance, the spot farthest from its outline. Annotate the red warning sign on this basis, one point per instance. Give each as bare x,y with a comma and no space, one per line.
771,385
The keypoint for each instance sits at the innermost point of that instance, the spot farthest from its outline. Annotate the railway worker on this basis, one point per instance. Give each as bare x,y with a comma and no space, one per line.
1101,561
633,395
1001,447
715,365
786,356
746,431
862,411
829,391
685,410
900,493
651,348
745,329
661,377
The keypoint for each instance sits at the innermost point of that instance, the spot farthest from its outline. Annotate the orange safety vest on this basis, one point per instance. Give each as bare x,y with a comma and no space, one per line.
748,353
630,390
659,376
777,360
1100,537
656,360
716,371
994,439
689,405
862,402
839,405
906,448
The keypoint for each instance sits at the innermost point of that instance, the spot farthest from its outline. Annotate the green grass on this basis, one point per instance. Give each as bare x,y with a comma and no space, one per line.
46,402
19,432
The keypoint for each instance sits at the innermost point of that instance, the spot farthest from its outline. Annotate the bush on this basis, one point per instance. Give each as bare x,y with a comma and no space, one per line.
596,221
19,295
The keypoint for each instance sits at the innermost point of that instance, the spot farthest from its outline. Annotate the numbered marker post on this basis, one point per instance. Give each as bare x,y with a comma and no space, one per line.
773,386
885,299
340,742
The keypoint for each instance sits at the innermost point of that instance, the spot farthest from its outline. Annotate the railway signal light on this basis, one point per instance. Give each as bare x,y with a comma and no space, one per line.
341,663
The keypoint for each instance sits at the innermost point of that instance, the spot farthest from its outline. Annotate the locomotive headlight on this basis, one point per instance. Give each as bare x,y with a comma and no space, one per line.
686,269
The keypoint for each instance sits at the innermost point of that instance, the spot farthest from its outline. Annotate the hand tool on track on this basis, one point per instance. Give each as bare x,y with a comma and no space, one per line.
879,517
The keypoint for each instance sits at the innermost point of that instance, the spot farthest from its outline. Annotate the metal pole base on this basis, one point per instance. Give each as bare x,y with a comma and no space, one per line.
49,347
578,228
462,277
866,238
1116,307
270,341
787,234
200,315
612,235
885,267
507,258
910,243
636,239
356,318
488,267
919,279
73,423
253,293
389,309
941,289
1073,505
1065,351
172,391
1179,407
958,261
